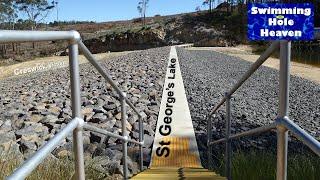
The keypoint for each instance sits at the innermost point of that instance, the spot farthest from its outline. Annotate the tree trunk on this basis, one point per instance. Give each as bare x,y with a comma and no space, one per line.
228,4
231,5
144,12
4,49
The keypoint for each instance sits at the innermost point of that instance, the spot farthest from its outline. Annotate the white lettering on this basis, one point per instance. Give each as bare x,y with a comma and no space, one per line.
264,32
267,33
282,11
254,10
16,72
280,22
39,67
272,21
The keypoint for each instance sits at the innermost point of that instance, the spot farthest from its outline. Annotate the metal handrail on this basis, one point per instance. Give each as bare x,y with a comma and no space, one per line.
283,124
29,165
301,134
123,99
251,70
9,36
297,131
77,124
95,63
251,132
108,133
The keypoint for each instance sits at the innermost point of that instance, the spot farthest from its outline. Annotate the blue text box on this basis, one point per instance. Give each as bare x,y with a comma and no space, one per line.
280,21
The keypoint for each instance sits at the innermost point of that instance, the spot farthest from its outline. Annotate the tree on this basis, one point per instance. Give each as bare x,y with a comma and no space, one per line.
7,12
198,9
208,3
55,3
142,8
36,10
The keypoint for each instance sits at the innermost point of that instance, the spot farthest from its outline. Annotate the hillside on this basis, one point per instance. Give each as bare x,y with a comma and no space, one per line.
200,28
218,28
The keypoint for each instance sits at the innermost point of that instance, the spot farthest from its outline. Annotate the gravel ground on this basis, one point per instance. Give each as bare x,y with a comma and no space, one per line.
208,74
33,108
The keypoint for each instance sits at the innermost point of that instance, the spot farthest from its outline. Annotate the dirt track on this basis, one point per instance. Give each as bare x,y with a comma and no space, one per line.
309,72
53,62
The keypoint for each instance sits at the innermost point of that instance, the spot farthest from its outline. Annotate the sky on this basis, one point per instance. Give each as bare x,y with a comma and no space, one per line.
111,10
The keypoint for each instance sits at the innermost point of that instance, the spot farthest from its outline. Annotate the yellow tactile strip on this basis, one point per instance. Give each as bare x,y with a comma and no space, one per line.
180,154
178,174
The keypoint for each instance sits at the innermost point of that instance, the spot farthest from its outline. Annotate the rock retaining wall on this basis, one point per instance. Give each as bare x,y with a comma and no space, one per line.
35,107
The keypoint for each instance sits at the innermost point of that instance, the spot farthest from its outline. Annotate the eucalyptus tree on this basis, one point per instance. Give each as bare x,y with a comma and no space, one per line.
208,3
35,10
142,9
7,13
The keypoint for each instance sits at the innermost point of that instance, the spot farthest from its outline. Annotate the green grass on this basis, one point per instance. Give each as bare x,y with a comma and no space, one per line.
262,165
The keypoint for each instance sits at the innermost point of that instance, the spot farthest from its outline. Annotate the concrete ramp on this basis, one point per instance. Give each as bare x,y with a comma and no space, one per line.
175,143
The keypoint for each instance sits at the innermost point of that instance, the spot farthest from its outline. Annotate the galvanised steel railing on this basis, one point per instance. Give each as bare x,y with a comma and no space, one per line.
282,123
77,124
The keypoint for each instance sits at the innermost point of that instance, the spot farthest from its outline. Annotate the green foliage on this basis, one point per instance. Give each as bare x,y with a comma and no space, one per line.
262,165
36,10
208,3
7,12
59,23
145,28
142,5
142,9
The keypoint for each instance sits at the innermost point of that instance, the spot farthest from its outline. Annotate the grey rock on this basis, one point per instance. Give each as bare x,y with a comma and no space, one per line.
26,146
98,118
118,116
6,126
110,106
87,112
50,119
42,103
96,137
148,140
32,131
7,140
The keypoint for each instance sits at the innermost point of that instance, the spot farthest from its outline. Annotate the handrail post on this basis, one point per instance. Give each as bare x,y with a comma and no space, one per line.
124,134
228,132
76,109
282,132
141,138
209,136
